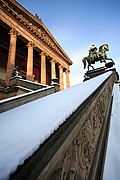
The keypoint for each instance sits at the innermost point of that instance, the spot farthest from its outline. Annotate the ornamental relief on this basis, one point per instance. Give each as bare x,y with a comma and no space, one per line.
68,167
77,160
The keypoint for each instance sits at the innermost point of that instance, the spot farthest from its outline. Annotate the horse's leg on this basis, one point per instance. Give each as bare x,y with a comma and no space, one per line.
84,62
89,65
92,67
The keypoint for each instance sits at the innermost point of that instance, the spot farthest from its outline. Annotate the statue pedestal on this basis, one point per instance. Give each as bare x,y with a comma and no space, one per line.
93,73
98,71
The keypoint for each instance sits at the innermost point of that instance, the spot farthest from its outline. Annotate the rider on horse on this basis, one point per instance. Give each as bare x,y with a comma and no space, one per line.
93,52
96,55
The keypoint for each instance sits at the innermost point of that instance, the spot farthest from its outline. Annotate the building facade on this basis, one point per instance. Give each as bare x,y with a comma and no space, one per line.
26,43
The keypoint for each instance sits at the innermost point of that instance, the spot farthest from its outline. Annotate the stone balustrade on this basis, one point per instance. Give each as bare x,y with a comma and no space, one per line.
16,101
76,150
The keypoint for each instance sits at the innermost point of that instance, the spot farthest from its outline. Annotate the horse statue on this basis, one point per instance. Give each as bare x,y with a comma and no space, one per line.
96,55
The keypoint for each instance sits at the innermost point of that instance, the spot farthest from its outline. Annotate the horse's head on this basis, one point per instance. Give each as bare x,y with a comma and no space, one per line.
104,47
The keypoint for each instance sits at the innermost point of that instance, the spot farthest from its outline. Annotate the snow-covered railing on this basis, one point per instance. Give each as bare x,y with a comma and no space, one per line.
19,100
26,83
61,136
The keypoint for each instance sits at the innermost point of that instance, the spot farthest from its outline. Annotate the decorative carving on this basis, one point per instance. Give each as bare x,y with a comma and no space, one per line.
43,53
13,32
53,61
38,17
30,44
68,167
67,71
37,31
78,158
60,66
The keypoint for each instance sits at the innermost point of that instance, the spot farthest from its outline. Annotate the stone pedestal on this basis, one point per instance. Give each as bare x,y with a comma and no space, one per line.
98,71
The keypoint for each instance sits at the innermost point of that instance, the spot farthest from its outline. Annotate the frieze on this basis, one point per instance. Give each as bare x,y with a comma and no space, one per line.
77,161
37,31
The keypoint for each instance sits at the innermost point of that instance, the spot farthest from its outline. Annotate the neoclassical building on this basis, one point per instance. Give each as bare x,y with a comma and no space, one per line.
25,42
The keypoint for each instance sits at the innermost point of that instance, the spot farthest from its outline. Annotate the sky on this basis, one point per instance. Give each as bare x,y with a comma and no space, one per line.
23,129
77,24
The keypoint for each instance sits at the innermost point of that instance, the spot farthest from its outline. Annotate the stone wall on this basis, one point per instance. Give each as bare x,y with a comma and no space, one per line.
24,98
2,75
77,149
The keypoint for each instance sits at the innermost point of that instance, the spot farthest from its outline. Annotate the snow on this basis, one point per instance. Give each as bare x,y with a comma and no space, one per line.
112,162
25,94
32,82
20,87
25,128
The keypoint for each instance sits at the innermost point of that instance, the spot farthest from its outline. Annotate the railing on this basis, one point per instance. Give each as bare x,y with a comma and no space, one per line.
19,100
76,150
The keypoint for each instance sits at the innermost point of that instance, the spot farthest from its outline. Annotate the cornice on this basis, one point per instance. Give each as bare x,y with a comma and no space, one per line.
37,29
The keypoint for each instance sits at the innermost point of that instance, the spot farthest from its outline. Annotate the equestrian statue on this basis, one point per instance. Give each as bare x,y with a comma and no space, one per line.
96,55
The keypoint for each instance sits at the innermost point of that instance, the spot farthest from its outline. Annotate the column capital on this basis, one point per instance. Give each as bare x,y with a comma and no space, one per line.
30,44
60,66
67,71
14,32
53,60
43,53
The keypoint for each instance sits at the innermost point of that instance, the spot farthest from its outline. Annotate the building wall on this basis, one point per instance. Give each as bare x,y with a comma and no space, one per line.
28,44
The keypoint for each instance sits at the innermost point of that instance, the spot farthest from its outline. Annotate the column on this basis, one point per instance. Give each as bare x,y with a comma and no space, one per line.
67,78
29,75
61,80
53,71
43,67
11,56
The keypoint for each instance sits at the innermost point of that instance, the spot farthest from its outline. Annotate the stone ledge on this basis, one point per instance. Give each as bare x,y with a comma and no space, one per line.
56,155
16,101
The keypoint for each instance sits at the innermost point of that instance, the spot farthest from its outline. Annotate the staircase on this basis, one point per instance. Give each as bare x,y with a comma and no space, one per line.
73,132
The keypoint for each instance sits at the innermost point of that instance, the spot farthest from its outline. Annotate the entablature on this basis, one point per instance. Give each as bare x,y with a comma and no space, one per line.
34,26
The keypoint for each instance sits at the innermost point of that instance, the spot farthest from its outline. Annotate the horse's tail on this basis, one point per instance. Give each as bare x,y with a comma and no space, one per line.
84,62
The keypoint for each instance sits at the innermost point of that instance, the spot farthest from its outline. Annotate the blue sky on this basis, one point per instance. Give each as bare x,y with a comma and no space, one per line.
77,24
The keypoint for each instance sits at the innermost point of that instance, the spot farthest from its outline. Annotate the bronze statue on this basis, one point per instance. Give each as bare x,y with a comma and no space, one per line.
96,55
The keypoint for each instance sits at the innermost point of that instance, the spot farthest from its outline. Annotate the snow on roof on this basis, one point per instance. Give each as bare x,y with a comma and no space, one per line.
24,128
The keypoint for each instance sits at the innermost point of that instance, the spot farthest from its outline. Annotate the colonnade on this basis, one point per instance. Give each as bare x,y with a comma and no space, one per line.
29,74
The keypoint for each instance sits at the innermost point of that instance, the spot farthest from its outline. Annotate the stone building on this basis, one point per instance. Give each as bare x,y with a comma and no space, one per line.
27,43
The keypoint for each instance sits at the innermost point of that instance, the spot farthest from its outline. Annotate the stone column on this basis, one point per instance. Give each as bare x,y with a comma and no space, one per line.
61,80
67,78
53,71
29,75
11,56
43,67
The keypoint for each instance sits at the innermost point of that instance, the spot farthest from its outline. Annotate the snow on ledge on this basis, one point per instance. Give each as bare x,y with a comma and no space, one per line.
24,128
25,94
